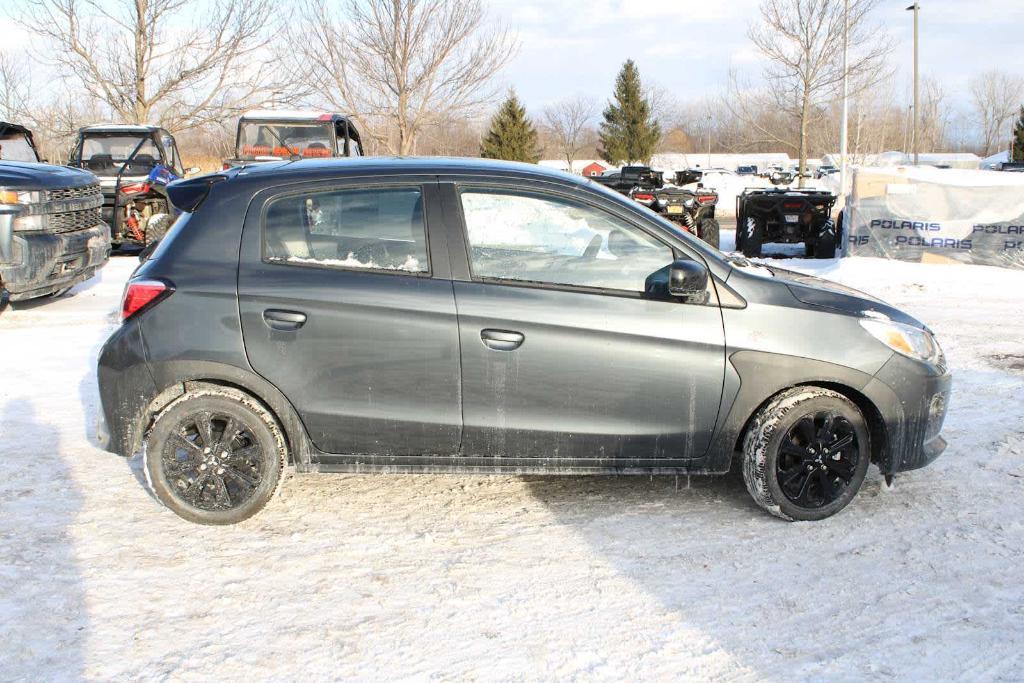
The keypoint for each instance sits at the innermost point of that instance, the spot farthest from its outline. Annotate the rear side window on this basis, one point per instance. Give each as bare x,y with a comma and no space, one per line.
366,229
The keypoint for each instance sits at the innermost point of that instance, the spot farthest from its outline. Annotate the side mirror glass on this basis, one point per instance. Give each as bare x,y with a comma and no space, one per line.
688,280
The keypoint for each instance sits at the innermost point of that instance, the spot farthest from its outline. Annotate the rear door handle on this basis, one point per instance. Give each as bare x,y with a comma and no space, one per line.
502,340
277,319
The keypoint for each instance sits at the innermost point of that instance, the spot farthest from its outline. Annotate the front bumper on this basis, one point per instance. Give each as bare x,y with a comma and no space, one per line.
912,398
43,262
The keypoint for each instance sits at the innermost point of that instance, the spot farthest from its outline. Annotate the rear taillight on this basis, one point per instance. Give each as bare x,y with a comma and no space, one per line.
707,198
792,205
643,197
135,188
225,166
142,294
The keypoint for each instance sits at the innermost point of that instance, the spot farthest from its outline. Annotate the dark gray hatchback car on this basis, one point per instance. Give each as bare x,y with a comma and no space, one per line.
432,315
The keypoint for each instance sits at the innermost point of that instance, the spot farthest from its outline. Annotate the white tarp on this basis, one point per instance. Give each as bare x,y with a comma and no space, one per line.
927,214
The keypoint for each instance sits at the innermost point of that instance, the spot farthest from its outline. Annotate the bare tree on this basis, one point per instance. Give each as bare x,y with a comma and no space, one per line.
803,42
150,62
569,128
933,119
15,86
996,96
398,66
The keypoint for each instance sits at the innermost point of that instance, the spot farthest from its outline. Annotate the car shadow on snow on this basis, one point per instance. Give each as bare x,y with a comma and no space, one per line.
43,615
757,591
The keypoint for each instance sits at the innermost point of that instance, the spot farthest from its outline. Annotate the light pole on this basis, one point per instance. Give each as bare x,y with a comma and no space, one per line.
709,140
844,123
916,7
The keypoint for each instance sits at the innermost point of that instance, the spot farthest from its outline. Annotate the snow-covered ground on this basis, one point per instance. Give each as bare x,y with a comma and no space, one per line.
380,577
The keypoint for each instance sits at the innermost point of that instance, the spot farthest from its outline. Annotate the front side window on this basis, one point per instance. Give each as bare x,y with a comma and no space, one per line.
547,239
371,229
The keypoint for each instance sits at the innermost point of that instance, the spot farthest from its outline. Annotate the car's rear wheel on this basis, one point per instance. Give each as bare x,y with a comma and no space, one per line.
825,245
214,456
709,232
753,238
157,227
806,453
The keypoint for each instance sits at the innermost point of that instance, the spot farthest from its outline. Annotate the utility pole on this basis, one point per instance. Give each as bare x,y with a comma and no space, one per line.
844,123
916,7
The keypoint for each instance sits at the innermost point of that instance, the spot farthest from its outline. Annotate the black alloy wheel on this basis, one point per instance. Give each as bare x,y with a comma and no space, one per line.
818,459
212,462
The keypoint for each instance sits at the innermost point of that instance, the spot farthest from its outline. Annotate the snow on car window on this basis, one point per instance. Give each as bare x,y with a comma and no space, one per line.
523,236
378,229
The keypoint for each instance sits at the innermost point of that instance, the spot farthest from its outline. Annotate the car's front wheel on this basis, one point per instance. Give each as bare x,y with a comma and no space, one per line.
806,453
214,456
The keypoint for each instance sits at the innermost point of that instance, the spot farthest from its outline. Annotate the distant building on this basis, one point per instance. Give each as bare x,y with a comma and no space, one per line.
584,167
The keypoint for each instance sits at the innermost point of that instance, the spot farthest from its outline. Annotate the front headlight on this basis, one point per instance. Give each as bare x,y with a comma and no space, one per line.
910,341
30,197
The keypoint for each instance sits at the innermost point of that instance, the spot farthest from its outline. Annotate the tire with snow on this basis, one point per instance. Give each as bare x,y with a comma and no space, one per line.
753,238
805,454
825,245
157,226
214,456
709,232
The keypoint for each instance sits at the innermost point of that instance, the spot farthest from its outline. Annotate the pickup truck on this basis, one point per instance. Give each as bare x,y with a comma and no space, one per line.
52,235
273,135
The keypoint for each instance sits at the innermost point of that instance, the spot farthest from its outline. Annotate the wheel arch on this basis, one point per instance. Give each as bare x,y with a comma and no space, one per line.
179,380
871,413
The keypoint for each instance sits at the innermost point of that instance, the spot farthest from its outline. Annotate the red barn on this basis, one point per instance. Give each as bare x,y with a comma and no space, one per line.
592,169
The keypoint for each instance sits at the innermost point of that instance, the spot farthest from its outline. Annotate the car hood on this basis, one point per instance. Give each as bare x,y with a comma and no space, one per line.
821,293
816,291
19,175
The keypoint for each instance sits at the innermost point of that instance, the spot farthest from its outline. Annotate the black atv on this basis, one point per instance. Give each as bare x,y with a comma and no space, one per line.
787,217
693,210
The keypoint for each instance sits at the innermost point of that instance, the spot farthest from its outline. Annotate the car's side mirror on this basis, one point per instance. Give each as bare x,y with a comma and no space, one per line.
688,280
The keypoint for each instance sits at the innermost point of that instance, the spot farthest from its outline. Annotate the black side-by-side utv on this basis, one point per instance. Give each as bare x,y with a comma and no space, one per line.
787,217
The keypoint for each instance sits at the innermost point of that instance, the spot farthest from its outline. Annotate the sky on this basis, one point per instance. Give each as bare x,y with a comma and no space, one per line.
688,46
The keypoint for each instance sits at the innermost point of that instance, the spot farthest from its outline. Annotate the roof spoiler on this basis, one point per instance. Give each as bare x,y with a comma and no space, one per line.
188,194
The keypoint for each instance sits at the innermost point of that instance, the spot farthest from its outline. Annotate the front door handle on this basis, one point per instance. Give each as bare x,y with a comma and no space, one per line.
502,340
277,319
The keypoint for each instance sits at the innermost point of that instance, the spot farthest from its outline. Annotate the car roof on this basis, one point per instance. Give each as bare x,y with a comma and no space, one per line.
291,115
312,169
118,128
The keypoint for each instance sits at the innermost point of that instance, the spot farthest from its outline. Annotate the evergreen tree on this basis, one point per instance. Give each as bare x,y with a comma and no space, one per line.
628,132
1017,142
512,136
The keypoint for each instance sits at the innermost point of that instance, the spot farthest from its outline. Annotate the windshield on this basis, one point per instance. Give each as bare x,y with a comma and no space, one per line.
104,154
282,139
15,147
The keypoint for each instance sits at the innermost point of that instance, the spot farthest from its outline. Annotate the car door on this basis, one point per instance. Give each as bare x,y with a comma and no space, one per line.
349,311
572,350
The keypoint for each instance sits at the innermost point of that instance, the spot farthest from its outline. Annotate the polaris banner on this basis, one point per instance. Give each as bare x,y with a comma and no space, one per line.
935,215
